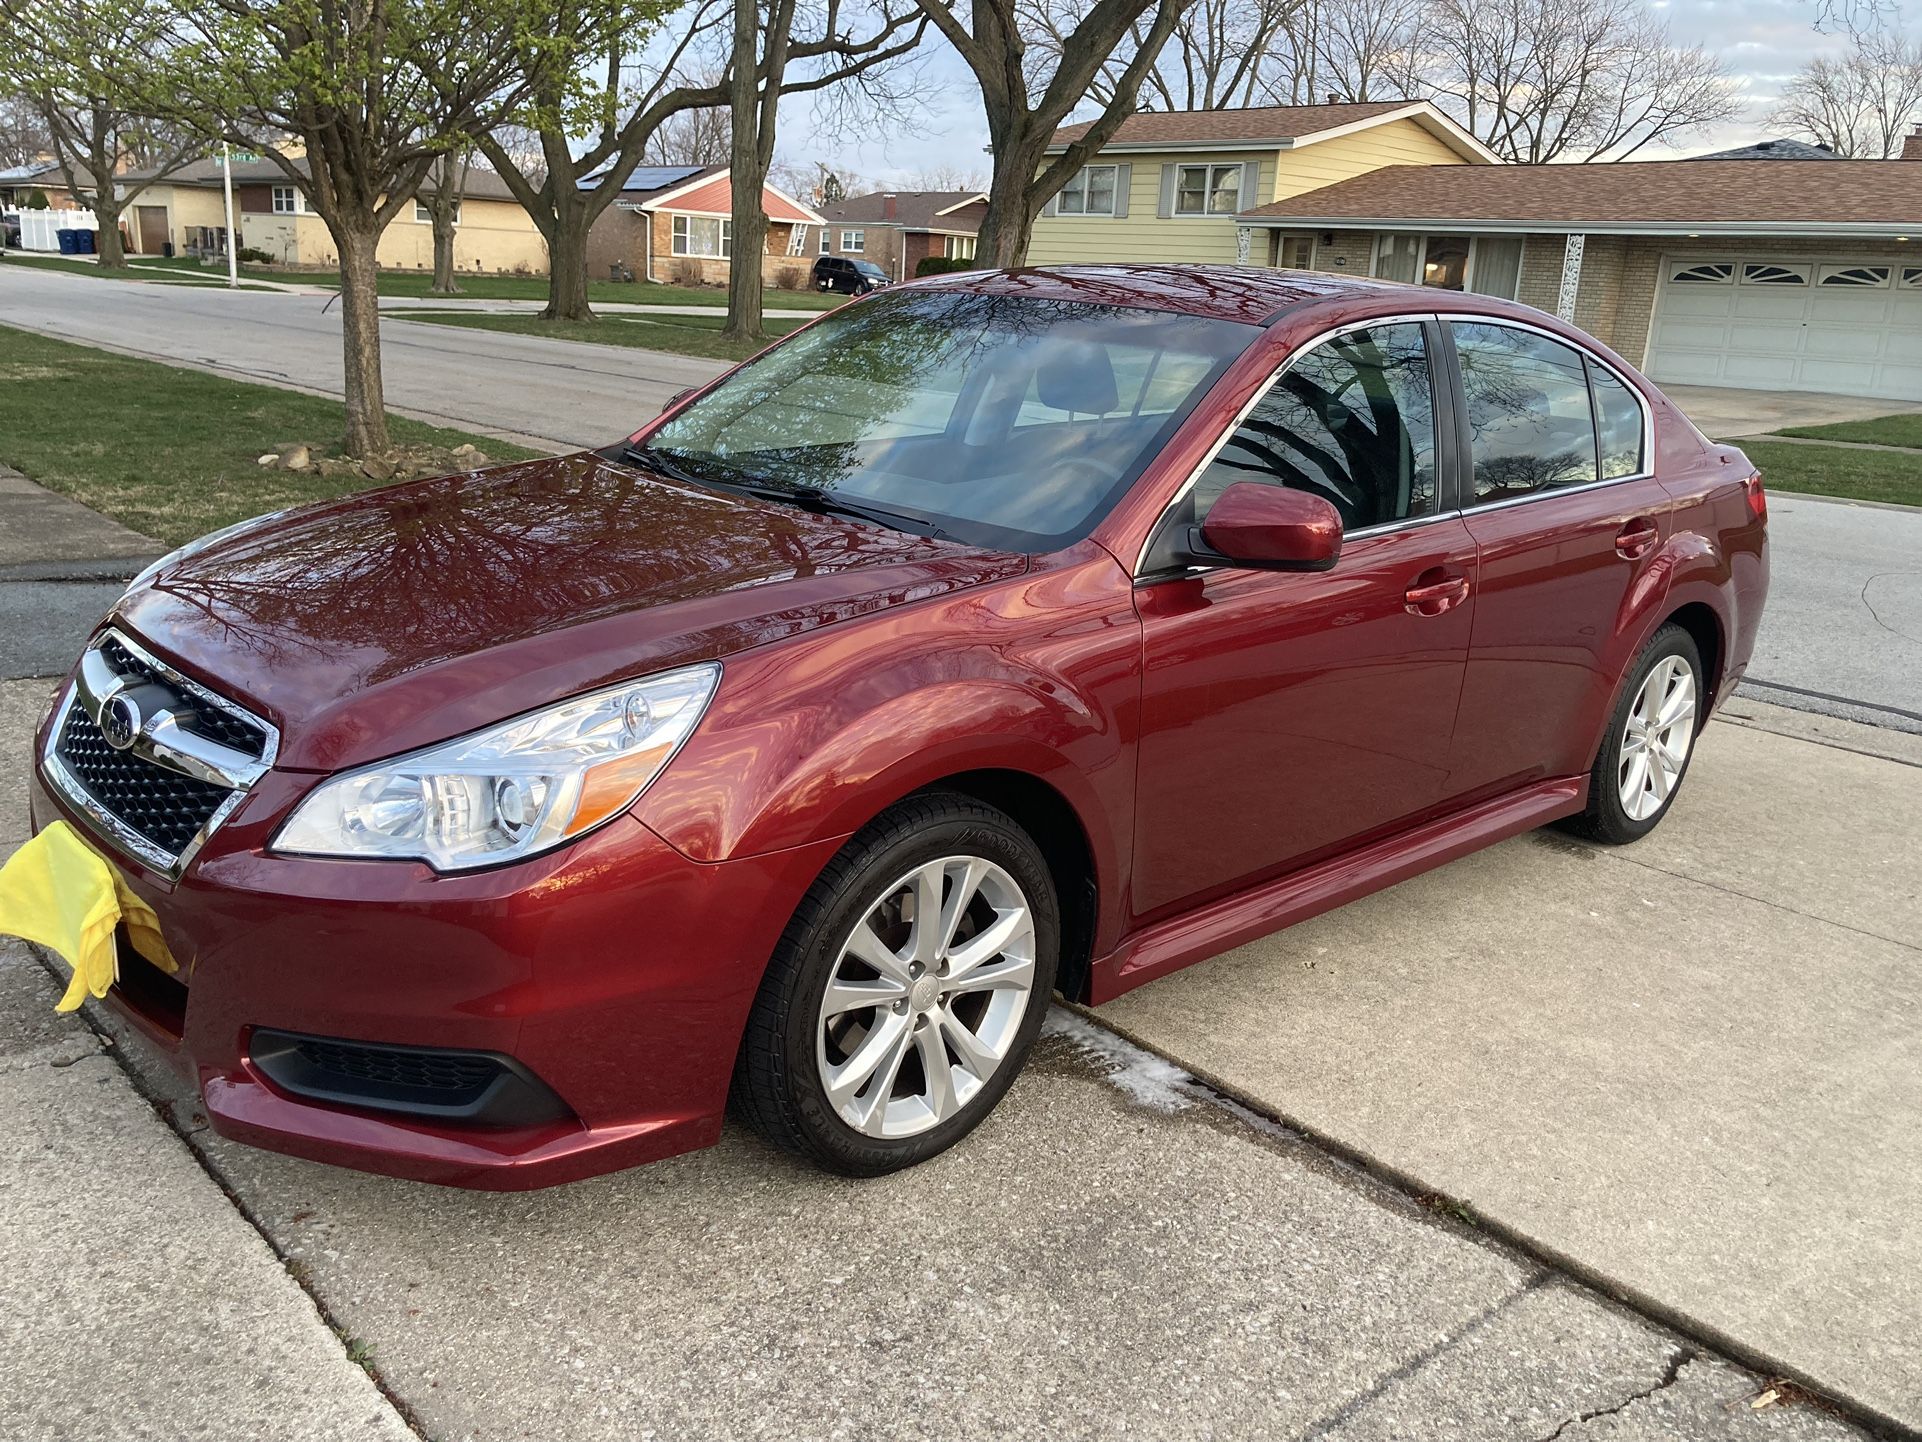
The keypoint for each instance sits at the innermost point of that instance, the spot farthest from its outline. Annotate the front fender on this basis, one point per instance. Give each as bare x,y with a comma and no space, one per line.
810,739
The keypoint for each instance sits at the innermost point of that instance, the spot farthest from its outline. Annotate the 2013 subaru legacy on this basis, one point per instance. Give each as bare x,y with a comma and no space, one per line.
998,635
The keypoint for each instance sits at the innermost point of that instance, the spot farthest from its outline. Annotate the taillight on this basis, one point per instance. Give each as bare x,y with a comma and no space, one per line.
1758,501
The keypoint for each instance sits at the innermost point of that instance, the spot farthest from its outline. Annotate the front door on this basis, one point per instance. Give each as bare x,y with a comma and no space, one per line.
1567,524
1286,716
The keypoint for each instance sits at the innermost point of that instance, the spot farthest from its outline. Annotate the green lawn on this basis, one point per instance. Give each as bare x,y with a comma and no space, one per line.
170,452
414,284
695,335
1903,430
1838,471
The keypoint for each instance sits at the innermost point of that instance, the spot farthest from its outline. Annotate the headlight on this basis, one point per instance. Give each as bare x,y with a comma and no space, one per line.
510,792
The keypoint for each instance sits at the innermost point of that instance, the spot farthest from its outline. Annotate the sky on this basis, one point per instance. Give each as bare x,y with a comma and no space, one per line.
1764,41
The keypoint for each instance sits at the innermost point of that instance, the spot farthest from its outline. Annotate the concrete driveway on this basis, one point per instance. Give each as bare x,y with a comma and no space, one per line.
1726,413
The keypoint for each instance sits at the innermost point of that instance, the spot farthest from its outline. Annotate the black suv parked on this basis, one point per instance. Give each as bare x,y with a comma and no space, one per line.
856,277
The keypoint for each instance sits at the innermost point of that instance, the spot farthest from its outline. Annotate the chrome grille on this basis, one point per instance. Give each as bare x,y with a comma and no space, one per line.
174,775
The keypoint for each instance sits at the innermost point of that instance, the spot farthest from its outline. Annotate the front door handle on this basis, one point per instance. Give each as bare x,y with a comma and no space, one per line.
1434,592
1637,538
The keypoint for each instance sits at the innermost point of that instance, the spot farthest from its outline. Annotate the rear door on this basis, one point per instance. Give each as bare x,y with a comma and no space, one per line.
1567,522
1288,715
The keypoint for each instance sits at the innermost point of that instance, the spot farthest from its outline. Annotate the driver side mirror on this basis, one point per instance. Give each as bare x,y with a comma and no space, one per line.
1266,528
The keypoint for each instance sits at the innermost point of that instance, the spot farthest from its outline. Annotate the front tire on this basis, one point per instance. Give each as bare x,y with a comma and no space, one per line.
1649,742
907,991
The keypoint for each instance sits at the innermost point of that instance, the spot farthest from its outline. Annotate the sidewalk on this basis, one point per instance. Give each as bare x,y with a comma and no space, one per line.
61,566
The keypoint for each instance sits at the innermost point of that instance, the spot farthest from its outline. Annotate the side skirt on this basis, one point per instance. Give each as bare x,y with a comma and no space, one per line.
1183,940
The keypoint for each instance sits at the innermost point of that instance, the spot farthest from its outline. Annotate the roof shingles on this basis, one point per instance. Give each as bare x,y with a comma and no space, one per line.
1277,123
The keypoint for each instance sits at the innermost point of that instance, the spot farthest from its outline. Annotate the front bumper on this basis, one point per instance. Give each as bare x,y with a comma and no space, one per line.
616,971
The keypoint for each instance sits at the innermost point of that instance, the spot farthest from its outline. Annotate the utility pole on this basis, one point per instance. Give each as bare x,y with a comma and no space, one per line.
227,184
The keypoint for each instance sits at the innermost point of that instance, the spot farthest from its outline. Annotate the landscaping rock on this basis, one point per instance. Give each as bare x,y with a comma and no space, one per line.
297,458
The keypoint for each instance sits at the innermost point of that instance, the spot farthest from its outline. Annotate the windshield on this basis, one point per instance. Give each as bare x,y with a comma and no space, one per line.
868,267
1002,421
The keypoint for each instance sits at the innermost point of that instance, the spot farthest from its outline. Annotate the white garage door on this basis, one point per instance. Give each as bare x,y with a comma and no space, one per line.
1848,326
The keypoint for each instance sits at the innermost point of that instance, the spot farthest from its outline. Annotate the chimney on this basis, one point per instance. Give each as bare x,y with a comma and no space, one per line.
1333,99
887,207
1912,144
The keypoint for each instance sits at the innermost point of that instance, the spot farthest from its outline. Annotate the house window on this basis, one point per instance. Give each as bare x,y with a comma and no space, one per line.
287,201
700,235
424,216
1207,189
1091,191
1912,276
1770,274
1437,260
827,241
854,240
1295,252
1497,268
1714,272
1868,275
960,247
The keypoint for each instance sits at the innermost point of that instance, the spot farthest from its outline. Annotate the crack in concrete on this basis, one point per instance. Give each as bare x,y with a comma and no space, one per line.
1869,605
1679,1358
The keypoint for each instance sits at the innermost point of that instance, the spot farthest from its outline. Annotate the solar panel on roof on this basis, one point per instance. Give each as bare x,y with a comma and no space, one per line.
652,177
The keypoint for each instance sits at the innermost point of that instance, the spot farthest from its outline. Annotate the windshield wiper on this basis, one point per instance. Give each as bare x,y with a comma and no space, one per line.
809,498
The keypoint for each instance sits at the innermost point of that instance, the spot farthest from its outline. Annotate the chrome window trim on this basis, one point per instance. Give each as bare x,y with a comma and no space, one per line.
176,750
1227,434
1451,318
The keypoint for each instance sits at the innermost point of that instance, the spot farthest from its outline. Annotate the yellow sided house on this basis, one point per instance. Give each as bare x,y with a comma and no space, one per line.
187,212
1170,185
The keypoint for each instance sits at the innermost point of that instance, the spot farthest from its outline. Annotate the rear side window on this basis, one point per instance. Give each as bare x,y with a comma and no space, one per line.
1618,415
1351,421
1530,426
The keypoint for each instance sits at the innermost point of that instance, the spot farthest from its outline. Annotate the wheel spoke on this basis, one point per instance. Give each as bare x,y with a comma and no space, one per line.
924,942
866,945
1634,783
988,944
845,996
941,1097
1680,706
1014,972
966,883
877,1059
975,1055
1659,777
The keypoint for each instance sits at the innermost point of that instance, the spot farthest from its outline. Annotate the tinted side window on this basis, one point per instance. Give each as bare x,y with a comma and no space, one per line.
1619,415
1351,421
1529,424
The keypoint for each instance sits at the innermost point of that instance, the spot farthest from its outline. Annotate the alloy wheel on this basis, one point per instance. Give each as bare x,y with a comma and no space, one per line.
926,998
1656,738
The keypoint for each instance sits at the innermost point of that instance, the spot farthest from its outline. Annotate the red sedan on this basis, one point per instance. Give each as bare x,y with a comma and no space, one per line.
998,635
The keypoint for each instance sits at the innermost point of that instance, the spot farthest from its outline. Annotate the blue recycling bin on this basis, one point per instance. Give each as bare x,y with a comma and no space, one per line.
84,241
69,242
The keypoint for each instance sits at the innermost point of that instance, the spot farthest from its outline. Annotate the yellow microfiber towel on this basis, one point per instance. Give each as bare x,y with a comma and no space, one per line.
58,892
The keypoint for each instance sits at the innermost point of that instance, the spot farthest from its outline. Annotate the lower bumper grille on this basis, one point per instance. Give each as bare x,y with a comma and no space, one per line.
483,1088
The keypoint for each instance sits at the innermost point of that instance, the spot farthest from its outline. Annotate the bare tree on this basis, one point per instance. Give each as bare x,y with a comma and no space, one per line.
943,178
1863,104
1024,106
1222,54
24,136
835,48
1542,80
1361,50
693,137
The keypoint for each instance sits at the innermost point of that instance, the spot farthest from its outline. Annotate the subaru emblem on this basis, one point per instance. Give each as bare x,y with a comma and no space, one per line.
120,721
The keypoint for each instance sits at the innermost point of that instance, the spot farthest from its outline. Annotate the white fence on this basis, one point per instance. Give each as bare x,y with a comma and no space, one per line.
40,229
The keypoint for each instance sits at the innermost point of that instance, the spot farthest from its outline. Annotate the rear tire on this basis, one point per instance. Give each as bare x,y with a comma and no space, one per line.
1649,743
878,1038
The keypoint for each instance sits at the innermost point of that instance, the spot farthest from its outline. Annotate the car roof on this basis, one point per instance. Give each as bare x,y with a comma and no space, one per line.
1249,294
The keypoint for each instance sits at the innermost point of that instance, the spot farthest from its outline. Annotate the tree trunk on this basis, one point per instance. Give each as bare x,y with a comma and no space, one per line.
744,321
109,253
444,282
360,341
1008,223
567,258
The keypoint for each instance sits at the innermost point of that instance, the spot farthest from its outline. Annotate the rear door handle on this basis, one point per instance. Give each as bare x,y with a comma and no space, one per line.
1637,538
1433,593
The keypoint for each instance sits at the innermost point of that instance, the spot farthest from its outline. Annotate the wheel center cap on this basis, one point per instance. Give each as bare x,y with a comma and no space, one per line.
924,992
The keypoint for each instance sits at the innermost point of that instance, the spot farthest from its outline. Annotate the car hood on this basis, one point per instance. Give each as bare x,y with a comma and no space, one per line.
399,617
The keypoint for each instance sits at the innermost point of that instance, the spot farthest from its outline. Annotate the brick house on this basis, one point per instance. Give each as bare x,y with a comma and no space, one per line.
898,229
674,224
1747,273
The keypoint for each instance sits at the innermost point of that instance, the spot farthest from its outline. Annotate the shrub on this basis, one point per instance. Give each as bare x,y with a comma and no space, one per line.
942,265
254,255
790,277
688,272
37,200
